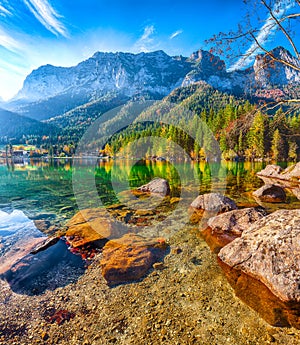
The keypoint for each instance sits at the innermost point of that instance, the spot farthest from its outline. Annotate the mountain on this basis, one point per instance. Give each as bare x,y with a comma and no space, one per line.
269,73
128,73
68,94
14,126
50,91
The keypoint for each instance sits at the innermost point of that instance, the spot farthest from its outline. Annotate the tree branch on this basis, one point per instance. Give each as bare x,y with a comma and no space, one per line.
273,57
289,38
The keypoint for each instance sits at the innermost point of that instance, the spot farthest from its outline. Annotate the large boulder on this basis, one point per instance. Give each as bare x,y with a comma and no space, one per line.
212,204
88,226
263,266
271,170
294,172
130,257
270,193
226,227
156,186
290,174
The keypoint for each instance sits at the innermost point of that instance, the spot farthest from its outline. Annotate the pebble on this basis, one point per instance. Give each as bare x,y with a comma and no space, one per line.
158,266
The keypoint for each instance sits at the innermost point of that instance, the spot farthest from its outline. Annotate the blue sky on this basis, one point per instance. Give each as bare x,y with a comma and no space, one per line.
64,32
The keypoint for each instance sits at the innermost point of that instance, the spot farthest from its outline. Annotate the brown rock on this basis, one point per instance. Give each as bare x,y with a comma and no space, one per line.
263,265
270,193
226,227
88,226
130,257
156,186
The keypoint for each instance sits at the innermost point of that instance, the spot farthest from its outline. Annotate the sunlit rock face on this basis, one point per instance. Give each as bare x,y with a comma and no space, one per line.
271,73
263,266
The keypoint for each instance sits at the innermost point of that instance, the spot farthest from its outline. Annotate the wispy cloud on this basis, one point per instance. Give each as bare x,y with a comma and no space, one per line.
264,35
175,34
8,42
4,11
47,16
146,41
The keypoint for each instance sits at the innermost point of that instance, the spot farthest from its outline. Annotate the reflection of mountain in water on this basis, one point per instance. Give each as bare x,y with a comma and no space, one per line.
33,274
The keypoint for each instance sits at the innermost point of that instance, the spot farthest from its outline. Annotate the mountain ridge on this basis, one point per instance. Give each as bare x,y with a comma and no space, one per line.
51,91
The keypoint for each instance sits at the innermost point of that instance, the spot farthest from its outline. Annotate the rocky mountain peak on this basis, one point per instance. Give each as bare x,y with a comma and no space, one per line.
155,74
269,72
207,61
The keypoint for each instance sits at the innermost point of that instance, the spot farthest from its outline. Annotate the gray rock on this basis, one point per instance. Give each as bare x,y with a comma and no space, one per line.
226,227
271,170
270,193
215,202
290,174
157,186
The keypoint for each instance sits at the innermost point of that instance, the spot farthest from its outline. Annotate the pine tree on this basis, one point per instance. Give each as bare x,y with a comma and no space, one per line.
293,147
276,145
256,137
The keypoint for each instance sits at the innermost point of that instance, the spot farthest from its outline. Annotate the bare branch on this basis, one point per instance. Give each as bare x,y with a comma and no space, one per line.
289,38
273,57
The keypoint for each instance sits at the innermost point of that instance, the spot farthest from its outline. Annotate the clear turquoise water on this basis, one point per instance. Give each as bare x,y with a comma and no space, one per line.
44,190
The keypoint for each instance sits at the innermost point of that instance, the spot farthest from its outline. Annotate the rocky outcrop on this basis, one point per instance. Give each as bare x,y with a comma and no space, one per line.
226,227
290,174
212,203
270,193
269,73
263,266
156,186
271,170
130,257
88,226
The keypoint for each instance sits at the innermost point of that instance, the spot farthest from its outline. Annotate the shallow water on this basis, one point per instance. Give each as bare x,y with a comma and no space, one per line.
46,191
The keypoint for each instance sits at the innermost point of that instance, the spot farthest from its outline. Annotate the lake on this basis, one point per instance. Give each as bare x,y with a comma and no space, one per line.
44,190
47,194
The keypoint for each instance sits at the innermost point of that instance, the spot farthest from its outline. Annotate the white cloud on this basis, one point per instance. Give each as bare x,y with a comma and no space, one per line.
47,16
4,11
146,42
264,35
8,42
175,34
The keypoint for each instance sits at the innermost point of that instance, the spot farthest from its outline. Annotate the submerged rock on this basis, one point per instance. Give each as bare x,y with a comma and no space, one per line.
270,193
130,257
88,226
263,266
48,269
156,186
45,245
226,227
